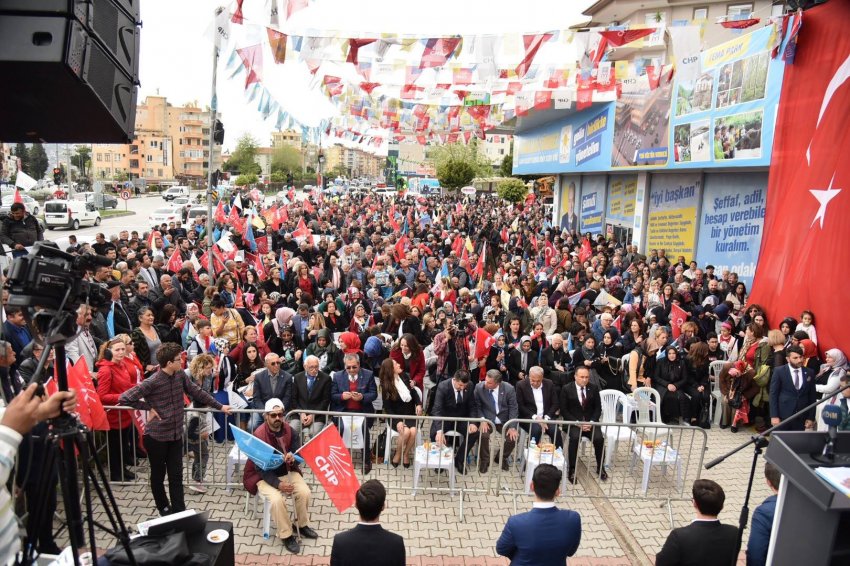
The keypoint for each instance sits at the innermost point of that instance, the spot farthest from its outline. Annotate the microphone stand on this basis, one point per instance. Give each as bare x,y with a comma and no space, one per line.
759,442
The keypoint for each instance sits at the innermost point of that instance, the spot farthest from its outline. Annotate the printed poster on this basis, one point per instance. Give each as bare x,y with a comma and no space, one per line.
673,203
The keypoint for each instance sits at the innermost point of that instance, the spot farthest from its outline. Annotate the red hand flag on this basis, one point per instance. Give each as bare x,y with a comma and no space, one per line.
585,252
219,215
330,461
175,262
18,197
678,316
89,407
807,194
483,342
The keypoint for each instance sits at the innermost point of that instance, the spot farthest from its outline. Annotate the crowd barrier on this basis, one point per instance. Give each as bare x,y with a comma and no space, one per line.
650,461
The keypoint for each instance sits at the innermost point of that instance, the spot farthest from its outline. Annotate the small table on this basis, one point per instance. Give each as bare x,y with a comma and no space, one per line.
435,460
222,553
660,456
534,458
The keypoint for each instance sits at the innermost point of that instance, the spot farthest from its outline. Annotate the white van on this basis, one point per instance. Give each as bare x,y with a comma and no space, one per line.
174,192
70,214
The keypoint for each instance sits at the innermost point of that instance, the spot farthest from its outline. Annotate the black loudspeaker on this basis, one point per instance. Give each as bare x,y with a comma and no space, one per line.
73,67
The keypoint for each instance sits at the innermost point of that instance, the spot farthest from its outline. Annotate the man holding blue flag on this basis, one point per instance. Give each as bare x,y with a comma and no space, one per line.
276,484
117,319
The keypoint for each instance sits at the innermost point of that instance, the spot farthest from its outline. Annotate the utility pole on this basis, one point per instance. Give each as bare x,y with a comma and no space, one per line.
211,145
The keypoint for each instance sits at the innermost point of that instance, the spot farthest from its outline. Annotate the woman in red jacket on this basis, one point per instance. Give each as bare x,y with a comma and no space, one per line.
113,379
408,353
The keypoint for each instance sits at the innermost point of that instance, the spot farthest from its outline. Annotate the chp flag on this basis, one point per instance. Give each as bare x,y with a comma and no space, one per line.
330,460
808,191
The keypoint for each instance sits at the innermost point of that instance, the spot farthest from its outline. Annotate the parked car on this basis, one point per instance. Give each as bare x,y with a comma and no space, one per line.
180,202
166,215
30,204
174,192
109,201
70,214
195,212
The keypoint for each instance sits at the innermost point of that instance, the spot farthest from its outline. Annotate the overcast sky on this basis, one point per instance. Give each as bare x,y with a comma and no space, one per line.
176,50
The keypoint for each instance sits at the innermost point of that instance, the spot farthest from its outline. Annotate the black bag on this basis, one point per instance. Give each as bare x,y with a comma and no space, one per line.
737,399
704,420
158,551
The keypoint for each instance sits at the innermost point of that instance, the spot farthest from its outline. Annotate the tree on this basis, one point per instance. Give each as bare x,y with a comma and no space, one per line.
23,154
38,161
338,170
82,160
455,173
247,179
469,154
512,190
507,166
242,160
277,177
286,159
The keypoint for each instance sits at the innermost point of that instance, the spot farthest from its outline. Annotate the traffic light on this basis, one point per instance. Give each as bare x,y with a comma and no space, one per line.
218,132
57,175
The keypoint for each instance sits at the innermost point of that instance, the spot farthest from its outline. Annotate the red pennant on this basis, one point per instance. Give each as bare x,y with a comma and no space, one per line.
618,38
532,46
175,262
354,46
252,58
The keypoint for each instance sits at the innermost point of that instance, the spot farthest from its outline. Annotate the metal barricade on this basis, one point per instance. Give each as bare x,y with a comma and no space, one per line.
650,461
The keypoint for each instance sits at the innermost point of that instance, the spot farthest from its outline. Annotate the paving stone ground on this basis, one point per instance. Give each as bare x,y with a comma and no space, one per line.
620,527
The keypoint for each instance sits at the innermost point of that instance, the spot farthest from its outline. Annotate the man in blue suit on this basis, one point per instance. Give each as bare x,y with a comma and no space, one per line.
352,391
792,388
545,535
762,522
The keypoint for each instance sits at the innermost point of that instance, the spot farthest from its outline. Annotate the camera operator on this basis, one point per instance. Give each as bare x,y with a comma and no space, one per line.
20,229
16,420
452,350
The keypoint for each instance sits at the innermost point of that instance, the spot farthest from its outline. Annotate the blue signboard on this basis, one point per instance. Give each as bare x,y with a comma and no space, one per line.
732,223
592,204
587,139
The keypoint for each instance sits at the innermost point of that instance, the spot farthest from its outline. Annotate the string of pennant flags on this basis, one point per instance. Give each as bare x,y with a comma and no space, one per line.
387,86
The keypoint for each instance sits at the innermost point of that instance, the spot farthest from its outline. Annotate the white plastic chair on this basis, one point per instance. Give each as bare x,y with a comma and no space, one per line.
267,513
234,457
612,400
648,406
715,400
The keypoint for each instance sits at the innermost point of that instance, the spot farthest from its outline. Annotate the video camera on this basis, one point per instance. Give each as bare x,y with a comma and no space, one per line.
460,325
52,279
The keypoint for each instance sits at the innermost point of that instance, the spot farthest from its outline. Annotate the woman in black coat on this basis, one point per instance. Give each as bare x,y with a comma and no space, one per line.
699,384
400,398
610,355
586,355
670,380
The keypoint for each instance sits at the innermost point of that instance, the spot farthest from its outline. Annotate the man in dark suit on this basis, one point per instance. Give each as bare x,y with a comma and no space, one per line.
495,401
352,391
454,399
520,361
121,322
580,401
792,387
535,399
271,383
311,391
546,535
762,522
705,542
368,542
17,332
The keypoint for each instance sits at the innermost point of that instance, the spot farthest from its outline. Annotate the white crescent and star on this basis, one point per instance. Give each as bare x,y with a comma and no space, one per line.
824,197
841,75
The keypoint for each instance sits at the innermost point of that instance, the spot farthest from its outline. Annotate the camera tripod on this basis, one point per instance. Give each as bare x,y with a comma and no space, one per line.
67,433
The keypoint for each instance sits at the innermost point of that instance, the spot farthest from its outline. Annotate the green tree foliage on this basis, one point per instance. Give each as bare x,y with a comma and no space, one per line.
245,180
38,161
339,170
468,154
455,173
512,190
82,160
286,159
507,166
277,177
22,153
242,160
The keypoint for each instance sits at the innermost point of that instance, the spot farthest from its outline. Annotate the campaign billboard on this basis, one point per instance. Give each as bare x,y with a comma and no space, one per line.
732,222
592,204
673,203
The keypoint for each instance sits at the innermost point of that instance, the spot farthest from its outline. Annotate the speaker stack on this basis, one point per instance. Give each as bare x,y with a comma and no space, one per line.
70,70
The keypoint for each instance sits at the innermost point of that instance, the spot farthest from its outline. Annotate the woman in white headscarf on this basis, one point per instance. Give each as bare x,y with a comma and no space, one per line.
828,378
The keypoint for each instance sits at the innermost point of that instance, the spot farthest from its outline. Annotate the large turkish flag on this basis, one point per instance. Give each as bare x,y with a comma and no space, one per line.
805,253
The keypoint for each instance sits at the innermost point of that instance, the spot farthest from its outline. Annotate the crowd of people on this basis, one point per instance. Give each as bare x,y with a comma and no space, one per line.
312,298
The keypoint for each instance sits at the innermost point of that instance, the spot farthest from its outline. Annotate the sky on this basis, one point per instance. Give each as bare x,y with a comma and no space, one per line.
176,41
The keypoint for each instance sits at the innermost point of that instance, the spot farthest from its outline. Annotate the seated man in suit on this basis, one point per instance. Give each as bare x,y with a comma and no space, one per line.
705,542
535,399
792,387
274,485
762,522
271,383
352,391
368,542
311,391
495,401
580,402
454,399
545,535
520,361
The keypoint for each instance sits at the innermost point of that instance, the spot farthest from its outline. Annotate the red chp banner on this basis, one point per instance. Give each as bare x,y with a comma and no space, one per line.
330,460
804,252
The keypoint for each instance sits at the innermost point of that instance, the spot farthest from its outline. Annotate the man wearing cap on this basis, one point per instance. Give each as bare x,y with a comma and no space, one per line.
275,485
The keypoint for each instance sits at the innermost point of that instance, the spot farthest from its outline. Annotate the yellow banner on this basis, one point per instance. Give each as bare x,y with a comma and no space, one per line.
725,52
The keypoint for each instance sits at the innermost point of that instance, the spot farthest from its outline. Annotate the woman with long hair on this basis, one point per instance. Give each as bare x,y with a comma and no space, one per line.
408,353
400,398
274,284
634,335
225,321
738,296
315,324
225,286
146,340
334,320
168,325
642,359
305,280
251,282
113,379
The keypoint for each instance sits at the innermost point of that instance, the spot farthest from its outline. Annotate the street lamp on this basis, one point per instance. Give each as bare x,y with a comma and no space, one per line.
321,180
